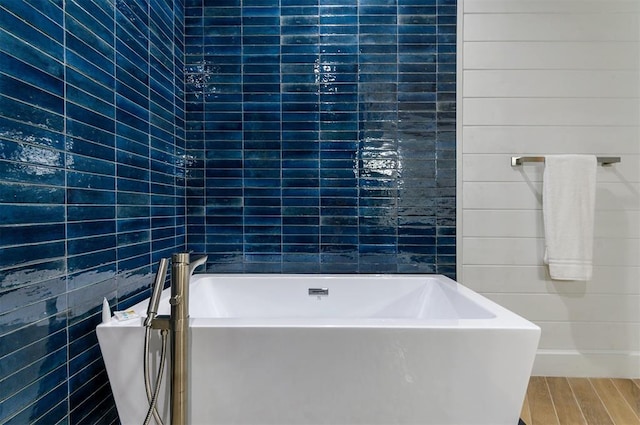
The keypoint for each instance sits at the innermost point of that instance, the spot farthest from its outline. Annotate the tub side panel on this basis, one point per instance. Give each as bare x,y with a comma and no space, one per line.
362,376
122,349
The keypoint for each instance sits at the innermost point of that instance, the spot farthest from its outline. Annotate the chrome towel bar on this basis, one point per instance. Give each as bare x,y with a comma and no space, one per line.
602,160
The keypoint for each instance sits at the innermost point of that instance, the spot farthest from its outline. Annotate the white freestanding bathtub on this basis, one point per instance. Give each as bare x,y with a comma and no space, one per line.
335,349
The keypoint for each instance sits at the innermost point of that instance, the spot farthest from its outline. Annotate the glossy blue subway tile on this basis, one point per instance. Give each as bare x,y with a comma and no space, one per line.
289,10
22,156
44,33
85,43
130,141
417,96
135,11
95,19
30,343
132,89
84,367
29,54
91,260
297,2
90,196
34,115
94,181
31,234
84,65
95,406
25,214
55,415
44,365
79,246
87,150
35,81
39,402
417,8
28,135
131,54
50,8
333,139
23,192
85,228
11,279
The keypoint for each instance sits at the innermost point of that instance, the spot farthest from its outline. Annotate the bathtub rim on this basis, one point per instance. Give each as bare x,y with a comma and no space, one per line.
503,318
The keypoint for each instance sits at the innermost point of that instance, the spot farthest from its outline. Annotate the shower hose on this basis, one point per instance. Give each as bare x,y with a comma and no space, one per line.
152,396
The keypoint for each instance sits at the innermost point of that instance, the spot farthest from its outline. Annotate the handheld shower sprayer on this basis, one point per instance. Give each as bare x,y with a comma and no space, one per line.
150,321
158,285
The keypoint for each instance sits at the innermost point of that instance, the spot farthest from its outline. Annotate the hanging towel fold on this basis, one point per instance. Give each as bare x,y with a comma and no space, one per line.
568,203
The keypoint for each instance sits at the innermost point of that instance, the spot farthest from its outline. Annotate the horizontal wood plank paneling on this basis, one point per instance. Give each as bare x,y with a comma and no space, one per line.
537,78
550,6
521,140
550,83
530,251
552,27
505,278
589,336
528,195
572,308
550,111
595,55
529,223
502,223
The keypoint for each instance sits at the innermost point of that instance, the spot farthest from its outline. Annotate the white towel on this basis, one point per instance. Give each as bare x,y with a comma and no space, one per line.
568,203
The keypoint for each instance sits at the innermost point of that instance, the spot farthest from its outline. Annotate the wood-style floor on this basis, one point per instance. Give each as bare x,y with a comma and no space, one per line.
582,401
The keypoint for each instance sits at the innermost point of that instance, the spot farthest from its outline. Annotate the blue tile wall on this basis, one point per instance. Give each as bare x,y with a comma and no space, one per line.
92,148
321,135
276,135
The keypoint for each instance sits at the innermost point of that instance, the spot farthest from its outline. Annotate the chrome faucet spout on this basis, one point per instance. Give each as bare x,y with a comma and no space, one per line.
197,261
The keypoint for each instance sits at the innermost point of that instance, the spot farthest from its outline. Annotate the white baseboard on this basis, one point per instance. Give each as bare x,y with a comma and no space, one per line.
591,364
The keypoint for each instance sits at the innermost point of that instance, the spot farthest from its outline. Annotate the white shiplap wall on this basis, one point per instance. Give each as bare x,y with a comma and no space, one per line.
542,77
